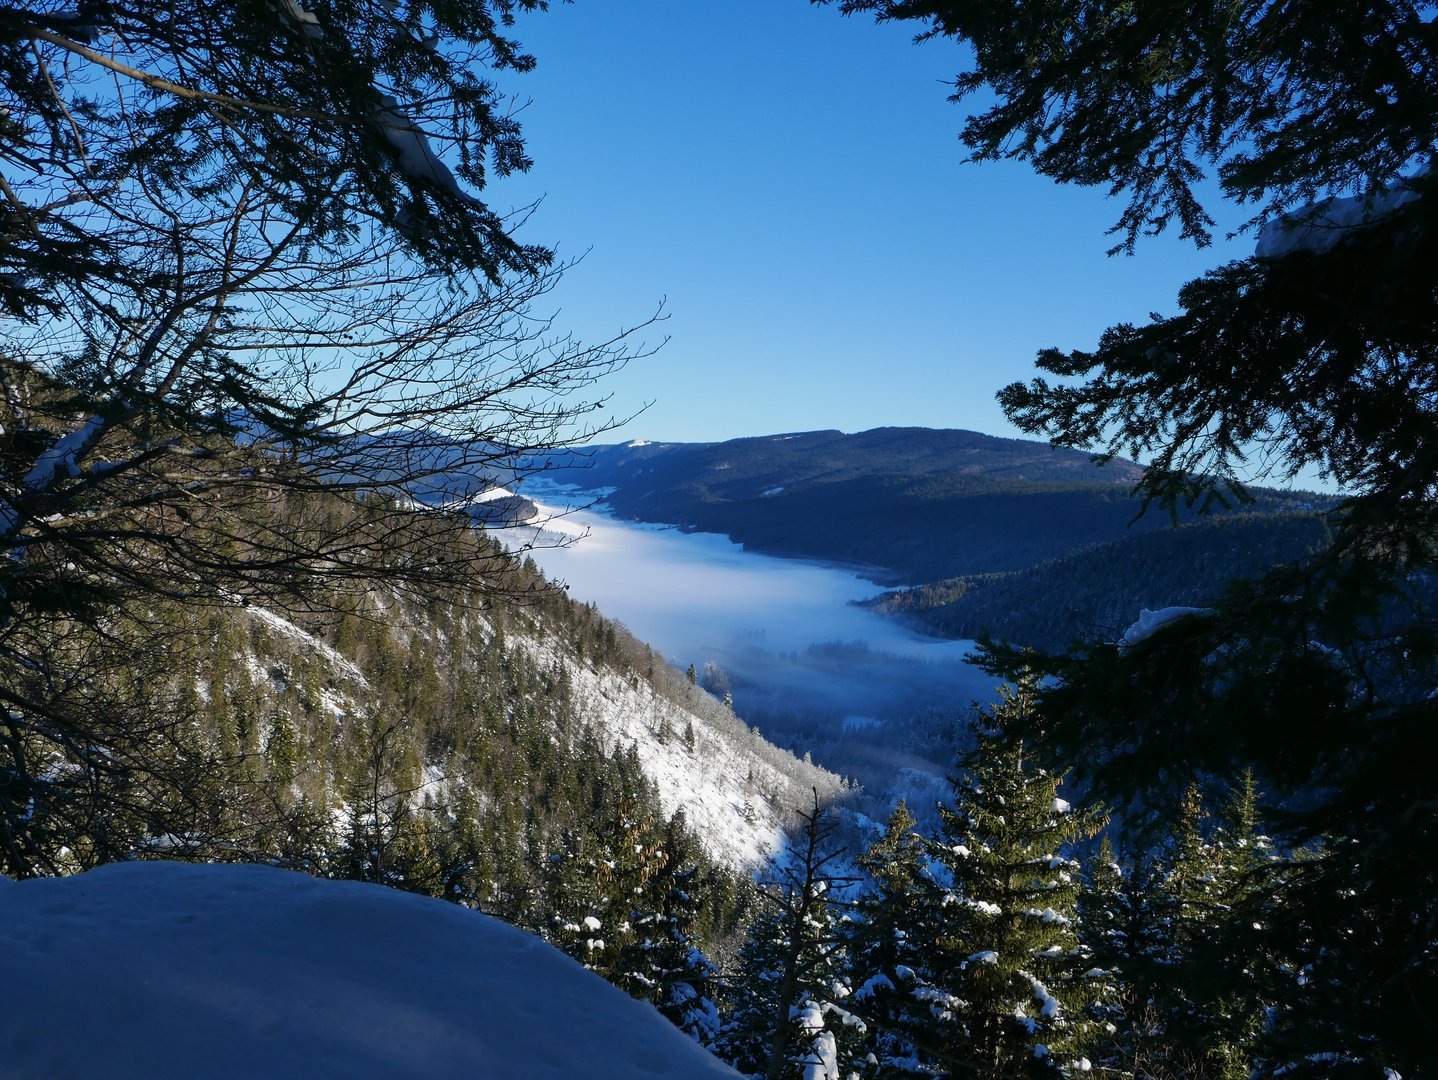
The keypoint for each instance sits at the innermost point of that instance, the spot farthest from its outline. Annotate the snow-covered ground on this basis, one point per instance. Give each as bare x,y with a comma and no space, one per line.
159,970
737,791
720,782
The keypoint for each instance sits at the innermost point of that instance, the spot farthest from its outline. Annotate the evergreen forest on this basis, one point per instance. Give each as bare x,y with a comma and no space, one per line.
274,367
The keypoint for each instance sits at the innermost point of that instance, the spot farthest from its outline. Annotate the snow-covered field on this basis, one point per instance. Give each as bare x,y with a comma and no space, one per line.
161,970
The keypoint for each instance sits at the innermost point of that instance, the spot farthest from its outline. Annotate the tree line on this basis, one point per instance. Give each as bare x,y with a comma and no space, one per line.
1009,944
1316,352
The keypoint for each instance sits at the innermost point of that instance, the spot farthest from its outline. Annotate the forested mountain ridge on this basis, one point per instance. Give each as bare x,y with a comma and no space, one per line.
488,750
1040,541
524,670
1103,587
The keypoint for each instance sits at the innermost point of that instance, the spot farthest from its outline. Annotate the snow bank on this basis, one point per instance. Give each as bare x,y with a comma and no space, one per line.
162,970
1151,621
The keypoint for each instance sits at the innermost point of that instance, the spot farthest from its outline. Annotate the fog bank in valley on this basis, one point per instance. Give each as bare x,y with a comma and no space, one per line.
867,695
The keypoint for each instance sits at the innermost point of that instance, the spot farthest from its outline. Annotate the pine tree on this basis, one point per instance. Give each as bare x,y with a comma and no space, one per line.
1108,926
785,1017
1238,961
1179,936
1009,983
628,901
684,979
890,944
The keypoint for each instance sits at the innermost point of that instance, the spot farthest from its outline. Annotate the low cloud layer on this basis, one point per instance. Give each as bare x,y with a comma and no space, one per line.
784,630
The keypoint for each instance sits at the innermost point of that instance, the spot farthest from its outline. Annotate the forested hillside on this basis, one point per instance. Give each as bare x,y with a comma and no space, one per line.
1096,593
1010,537
522,755
530,711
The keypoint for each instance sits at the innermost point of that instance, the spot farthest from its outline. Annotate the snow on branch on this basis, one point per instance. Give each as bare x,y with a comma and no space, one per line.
1319,226
63,459
1149,622
417,158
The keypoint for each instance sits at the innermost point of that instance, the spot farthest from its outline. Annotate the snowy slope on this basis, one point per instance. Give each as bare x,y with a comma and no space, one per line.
163,970
737,791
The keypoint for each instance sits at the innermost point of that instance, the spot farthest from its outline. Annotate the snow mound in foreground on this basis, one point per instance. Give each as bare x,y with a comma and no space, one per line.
158,969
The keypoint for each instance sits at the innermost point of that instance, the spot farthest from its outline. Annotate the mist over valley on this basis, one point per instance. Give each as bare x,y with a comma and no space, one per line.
863,692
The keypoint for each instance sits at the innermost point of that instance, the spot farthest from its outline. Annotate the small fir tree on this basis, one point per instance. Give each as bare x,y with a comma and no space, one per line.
890,946
1011,983
786,1014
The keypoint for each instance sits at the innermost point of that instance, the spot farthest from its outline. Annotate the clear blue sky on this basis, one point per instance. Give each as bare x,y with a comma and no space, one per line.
790,184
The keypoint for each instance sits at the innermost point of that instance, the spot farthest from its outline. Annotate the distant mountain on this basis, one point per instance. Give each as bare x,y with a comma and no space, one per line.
914,505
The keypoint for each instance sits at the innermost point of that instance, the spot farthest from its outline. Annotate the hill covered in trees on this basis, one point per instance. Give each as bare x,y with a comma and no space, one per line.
1096,593
1012,537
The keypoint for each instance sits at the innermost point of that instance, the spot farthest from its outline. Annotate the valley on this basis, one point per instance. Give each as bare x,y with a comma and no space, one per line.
865,754
863,693
790,573
974,535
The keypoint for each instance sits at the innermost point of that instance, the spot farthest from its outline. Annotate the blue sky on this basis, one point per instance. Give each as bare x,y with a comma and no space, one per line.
789,183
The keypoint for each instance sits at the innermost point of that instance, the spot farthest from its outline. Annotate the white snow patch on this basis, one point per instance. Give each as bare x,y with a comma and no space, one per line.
876,982
728,812
169,970
303,637
417,158
1048,915
823,1062
1048,1004
1318,227
63,459
1149,622
490,494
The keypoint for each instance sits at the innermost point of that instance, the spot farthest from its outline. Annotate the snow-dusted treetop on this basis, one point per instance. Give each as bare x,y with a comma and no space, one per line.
175,970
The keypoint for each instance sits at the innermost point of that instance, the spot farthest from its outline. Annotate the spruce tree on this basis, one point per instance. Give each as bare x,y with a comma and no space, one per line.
890,944
1182,935
1009,983
684,978
1216,910
1236,962
1108,927
786,1015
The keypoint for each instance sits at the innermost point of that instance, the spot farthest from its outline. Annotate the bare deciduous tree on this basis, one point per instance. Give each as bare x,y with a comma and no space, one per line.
263,341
